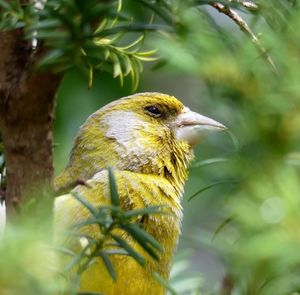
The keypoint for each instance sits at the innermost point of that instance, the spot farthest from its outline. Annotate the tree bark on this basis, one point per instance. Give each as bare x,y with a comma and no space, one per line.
27,103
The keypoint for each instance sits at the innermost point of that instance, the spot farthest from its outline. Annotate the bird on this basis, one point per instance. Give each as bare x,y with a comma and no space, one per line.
148,140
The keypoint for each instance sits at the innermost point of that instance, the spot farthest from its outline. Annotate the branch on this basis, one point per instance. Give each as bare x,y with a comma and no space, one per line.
247,4
27,100
246,29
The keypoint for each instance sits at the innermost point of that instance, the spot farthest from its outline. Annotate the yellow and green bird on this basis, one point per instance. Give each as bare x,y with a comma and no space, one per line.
147,138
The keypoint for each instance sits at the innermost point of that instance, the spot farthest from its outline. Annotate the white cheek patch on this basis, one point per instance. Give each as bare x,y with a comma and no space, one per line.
125,127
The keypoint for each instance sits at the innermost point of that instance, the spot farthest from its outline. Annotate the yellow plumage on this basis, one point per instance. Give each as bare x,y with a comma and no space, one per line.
147,139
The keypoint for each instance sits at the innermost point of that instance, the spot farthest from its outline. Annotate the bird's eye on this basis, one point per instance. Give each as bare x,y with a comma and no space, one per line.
154,111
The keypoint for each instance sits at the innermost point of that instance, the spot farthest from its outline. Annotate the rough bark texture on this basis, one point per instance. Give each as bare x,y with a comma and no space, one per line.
27,102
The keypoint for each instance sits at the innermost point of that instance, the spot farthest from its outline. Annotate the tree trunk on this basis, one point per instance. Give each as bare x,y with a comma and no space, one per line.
27,102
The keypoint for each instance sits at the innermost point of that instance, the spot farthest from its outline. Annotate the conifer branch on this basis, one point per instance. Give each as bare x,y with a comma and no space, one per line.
244,27
246,4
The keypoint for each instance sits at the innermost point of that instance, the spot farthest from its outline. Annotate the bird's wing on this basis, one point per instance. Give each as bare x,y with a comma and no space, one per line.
135,191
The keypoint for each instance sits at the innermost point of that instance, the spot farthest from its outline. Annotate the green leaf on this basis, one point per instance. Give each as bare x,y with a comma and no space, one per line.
88,221
51,58
145,240
210,186
144,211
63,250
161,63
53,35
108,265
85,203
126,64
113,188
75,261
138,64
45,24
117,72
209,162
135,74
106,54
123,244
91,77
164,283
116,252
159,10
74,284
5,5
147,53
102,26
221,226
133,28
145,58
134,43
99,11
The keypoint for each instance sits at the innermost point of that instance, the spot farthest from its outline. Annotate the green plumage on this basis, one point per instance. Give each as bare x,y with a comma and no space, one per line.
137,136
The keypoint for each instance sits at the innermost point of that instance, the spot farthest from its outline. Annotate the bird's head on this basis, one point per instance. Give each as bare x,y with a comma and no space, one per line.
150,133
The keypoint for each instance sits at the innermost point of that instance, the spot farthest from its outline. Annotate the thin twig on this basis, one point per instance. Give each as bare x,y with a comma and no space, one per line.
246,29
247,4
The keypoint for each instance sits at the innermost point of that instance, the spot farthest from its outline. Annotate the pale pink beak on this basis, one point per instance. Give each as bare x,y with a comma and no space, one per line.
188,126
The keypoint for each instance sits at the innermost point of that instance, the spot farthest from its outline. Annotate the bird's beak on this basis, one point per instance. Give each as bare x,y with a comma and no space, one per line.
188,126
